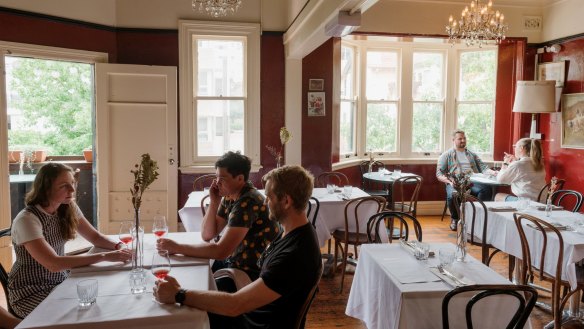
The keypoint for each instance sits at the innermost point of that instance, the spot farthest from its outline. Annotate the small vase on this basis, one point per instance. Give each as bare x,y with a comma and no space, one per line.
278,161
137,274
461,250
548,207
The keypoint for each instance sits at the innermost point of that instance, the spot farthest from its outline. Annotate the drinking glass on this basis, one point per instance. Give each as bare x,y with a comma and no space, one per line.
159,227
330,188
422,251
522,204
397,172
87,292
347,191
125,235
446,257
160,264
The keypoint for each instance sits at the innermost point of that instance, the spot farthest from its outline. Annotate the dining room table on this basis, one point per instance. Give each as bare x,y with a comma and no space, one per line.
488,180
116,306
387,178
391,289
331,214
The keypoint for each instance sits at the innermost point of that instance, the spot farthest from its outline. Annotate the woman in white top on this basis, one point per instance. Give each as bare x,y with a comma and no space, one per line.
39,233
524,171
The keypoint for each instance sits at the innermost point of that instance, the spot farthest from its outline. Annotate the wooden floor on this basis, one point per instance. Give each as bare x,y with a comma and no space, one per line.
328,309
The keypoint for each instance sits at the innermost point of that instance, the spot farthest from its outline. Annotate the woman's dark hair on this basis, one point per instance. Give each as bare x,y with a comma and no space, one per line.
40,193
235,163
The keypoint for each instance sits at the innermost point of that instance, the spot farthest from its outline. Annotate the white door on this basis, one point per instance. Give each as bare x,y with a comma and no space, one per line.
135,114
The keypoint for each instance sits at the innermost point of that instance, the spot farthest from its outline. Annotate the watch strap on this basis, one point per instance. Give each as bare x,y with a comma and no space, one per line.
180,296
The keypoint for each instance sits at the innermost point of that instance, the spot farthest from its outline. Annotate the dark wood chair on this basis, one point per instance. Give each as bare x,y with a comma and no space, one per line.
369,186
203,181
545,190
331,177
390,220
309,210
569,199
404,193
204,205
526,297
301,319
4,274
344,238
529,270
472,228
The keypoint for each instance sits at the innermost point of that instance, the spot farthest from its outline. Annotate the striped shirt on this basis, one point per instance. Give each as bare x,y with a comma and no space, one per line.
448,163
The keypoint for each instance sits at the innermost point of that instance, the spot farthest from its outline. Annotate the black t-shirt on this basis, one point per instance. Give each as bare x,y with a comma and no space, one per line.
291,266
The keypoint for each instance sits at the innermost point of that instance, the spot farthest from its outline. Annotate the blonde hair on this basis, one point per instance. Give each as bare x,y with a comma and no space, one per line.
533,150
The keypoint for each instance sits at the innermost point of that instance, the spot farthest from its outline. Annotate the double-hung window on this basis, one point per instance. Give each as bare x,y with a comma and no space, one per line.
219,79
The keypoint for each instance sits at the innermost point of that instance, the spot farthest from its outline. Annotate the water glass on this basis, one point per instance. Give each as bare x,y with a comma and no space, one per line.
347,191
206,190
330,188
87,292
422,251
137,281
396,173
446,257
522,204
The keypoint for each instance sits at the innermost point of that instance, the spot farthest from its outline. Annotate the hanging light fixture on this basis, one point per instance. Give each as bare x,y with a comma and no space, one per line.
217,8
478,25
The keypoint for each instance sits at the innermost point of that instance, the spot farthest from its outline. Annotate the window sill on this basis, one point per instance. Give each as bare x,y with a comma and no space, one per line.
210,169
392,161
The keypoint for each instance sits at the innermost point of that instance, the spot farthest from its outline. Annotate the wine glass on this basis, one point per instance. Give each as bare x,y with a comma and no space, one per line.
125,235
160,264
159,227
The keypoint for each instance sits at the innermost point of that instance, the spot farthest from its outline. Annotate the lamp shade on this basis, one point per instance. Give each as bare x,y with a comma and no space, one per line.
535,97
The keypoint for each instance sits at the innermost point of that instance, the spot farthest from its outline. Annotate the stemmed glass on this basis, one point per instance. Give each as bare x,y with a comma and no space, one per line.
159,227
160,264
125,235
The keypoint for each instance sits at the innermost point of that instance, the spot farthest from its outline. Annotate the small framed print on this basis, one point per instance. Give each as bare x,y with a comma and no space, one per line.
573,121
552,71
316,84
316,106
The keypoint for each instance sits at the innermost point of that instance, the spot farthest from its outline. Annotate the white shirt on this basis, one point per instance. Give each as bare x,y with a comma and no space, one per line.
525,181
27,227
463,162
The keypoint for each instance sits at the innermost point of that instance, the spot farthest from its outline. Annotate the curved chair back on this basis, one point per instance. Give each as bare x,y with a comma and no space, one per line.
370,186
203,204
540,231
402,201
331,177
4,274
545,190
567,199
203,181
526,297
389,219
309,210
301,319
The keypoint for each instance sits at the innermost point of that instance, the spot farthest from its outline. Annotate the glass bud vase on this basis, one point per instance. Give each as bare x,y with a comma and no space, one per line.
461,248
548,207
137,274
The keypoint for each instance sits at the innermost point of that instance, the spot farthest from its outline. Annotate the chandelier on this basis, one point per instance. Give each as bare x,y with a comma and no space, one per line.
217,8
478,25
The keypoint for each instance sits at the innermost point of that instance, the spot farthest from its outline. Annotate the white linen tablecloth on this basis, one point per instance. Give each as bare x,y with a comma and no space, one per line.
379,299
331,215
117,307
503,235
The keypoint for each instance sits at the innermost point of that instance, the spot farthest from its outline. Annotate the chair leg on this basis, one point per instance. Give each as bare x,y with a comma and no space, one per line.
344,265
444,211
511,267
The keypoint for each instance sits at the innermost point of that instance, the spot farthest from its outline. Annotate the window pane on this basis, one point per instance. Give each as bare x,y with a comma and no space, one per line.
347,128
219,127
381,73
477,75
477,122
428,75
347,72
381,128
220,68
427,127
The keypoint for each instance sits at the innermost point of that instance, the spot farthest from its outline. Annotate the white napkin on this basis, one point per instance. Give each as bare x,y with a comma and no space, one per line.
502,208
450,281
407,272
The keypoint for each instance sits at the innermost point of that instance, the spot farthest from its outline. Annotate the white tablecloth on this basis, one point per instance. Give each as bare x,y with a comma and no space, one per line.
379,299
117,307
331,215
502,234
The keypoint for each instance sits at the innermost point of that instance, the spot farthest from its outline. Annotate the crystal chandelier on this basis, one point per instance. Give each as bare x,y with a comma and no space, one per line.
217,8
478,25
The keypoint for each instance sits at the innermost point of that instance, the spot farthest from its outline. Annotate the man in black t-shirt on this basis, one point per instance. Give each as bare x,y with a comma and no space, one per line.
289,267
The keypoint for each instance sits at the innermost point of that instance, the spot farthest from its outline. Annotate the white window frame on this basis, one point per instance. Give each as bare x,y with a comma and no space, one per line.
189,161
405,99
353,101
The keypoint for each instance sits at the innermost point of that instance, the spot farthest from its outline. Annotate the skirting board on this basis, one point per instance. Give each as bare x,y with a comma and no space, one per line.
430,208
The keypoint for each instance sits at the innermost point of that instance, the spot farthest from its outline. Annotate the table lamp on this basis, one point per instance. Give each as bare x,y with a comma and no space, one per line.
535,97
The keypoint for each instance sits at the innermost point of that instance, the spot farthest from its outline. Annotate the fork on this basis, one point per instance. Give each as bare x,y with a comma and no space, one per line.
456,280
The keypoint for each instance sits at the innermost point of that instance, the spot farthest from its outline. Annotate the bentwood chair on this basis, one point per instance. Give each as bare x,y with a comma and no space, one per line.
476,236
390,219
331,177
567,199
203,181
526,297
312,210
540,233
544,193
357,212
301,318
369,186
4,274
404,194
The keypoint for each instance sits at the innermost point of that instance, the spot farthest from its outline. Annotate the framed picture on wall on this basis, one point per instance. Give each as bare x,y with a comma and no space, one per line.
573,121
316,106
552,71
316,84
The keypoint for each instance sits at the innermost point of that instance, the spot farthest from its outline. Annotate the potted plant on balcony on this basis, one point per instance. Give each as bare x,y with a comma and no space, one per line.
88,154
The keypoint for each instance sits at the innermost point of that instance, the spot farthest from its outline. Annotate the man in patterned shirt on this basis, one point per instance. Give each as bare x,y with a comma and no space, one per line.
460,159
236,208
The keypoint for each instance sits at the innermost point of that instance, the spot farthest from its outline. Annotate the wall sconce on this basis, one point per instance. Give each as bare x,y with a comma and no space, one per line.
553,49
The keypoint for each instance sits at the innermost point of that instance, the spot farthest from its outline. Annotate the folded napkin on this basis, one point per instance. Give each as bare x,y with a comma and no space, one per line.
502,208
542,208
406,273
558,226
452,278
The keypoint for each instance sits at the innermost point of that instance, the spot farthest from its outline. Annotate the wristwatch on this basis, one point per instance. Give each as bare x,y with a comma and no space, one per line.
180,296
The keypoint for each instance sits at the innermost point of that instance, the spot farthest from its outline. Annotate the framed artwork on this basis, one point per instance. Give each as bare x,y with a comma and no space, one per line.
316,84
573,121
552,71
316,106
